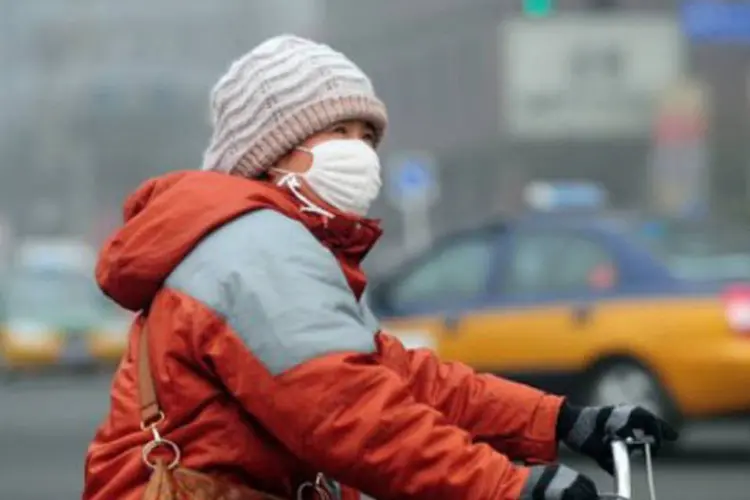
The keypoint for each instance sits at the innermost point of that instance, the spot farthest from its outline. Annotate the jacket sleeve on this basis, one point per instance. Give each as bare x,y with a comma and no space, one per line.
293,348
513,418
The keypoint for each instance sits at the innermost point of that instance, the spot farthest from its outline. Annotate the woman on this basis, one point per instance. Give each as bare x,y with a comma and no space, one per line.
268,366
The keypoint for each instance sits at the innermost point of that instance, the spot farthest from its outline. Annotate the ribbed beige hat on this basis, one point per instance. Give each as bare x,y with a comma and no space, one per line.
279,94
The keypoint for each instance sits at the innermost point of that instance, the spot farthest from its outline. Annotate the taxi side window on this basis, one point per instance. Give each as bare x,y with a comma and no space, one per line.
553,263
453,273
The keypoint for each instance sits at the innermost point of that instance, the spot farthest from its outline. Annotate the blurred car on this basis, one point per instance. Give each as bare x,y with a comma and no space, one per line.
53,315
579,306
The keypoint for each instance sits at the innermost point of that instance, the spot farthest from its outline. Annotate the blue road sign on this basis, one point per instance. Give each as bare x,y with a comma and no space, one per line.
411,179
715,21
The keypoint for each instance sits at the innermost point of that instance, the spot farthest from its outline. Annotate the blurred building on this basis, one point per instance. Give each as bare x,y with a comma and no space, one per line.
95,96
439,65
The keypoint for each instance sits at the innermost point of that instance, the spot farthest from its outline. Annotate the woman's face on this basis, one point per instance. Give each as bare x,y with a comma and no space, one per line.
301,161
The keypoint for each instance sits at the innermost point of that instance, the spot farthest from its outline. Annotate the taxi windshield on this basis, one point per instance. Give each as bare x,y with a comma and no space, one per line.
55,296
700,252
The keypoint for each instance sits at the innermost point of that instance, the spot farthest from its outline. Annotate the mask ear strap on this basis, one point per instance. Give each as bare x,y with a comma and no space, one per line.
291,180
316,210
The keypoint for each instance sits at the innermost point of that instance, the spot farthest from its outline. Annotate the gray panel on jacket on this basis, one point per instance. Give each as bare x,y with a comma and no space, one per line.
279,288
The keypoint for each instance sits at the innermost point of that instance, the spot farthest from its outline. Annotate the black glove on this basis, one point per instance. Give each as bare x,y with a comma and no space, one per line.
557,482
590,430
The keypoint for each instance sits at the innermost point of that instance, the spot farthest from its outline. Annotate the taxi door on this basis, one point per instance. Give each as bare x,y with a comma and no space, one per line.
428,301
542,318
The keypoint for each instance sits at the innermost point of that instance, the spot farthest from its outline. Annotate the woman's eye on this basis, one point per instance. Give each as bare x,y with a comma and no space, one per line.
369,138
341,130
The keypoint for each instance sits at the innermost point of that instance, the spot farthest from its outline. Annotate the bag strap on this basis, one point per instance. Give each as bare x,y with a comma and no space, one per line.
151,413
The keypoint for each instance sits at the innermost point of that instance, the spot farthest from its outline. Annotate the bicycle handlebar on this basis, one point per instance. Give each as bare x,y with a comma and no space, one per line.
623,478
623,473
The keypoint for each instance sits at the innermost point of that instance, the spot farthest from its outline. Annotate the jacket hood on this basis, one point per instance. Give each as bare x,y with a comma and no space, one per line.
164,219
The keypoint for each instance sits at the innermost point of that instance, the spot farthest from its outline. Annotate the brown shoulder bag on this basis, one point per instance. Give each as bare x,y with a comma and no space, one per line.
169,480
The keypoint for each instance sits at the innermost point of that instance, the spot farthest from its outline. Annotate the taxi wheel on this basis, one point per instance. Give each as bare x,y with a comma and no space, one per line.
624,381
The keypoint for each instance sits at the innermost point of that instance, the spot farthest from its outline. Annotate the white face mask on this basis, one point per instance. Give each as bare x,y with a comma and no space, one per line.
344,173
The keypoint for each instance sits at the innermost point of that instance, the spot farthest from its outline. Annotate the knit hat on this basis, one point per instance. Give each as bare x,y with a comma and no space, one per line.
279,94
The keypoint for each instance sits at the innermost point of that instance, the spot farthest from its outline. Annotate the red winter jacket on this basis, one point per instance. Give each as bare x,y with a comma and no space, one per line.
270,368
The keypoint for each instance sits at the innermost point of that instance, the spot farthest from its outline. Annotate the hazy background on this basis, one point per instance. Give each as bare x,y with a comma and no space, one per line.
98,95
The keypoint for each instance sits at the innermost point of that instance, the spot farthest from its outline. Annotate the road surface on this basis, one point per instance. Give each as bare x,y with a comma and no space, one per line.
45,425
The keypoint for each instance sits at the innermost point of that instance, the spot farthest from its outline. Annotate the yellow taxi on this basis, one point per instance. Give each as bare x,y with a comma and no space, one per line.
580,307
